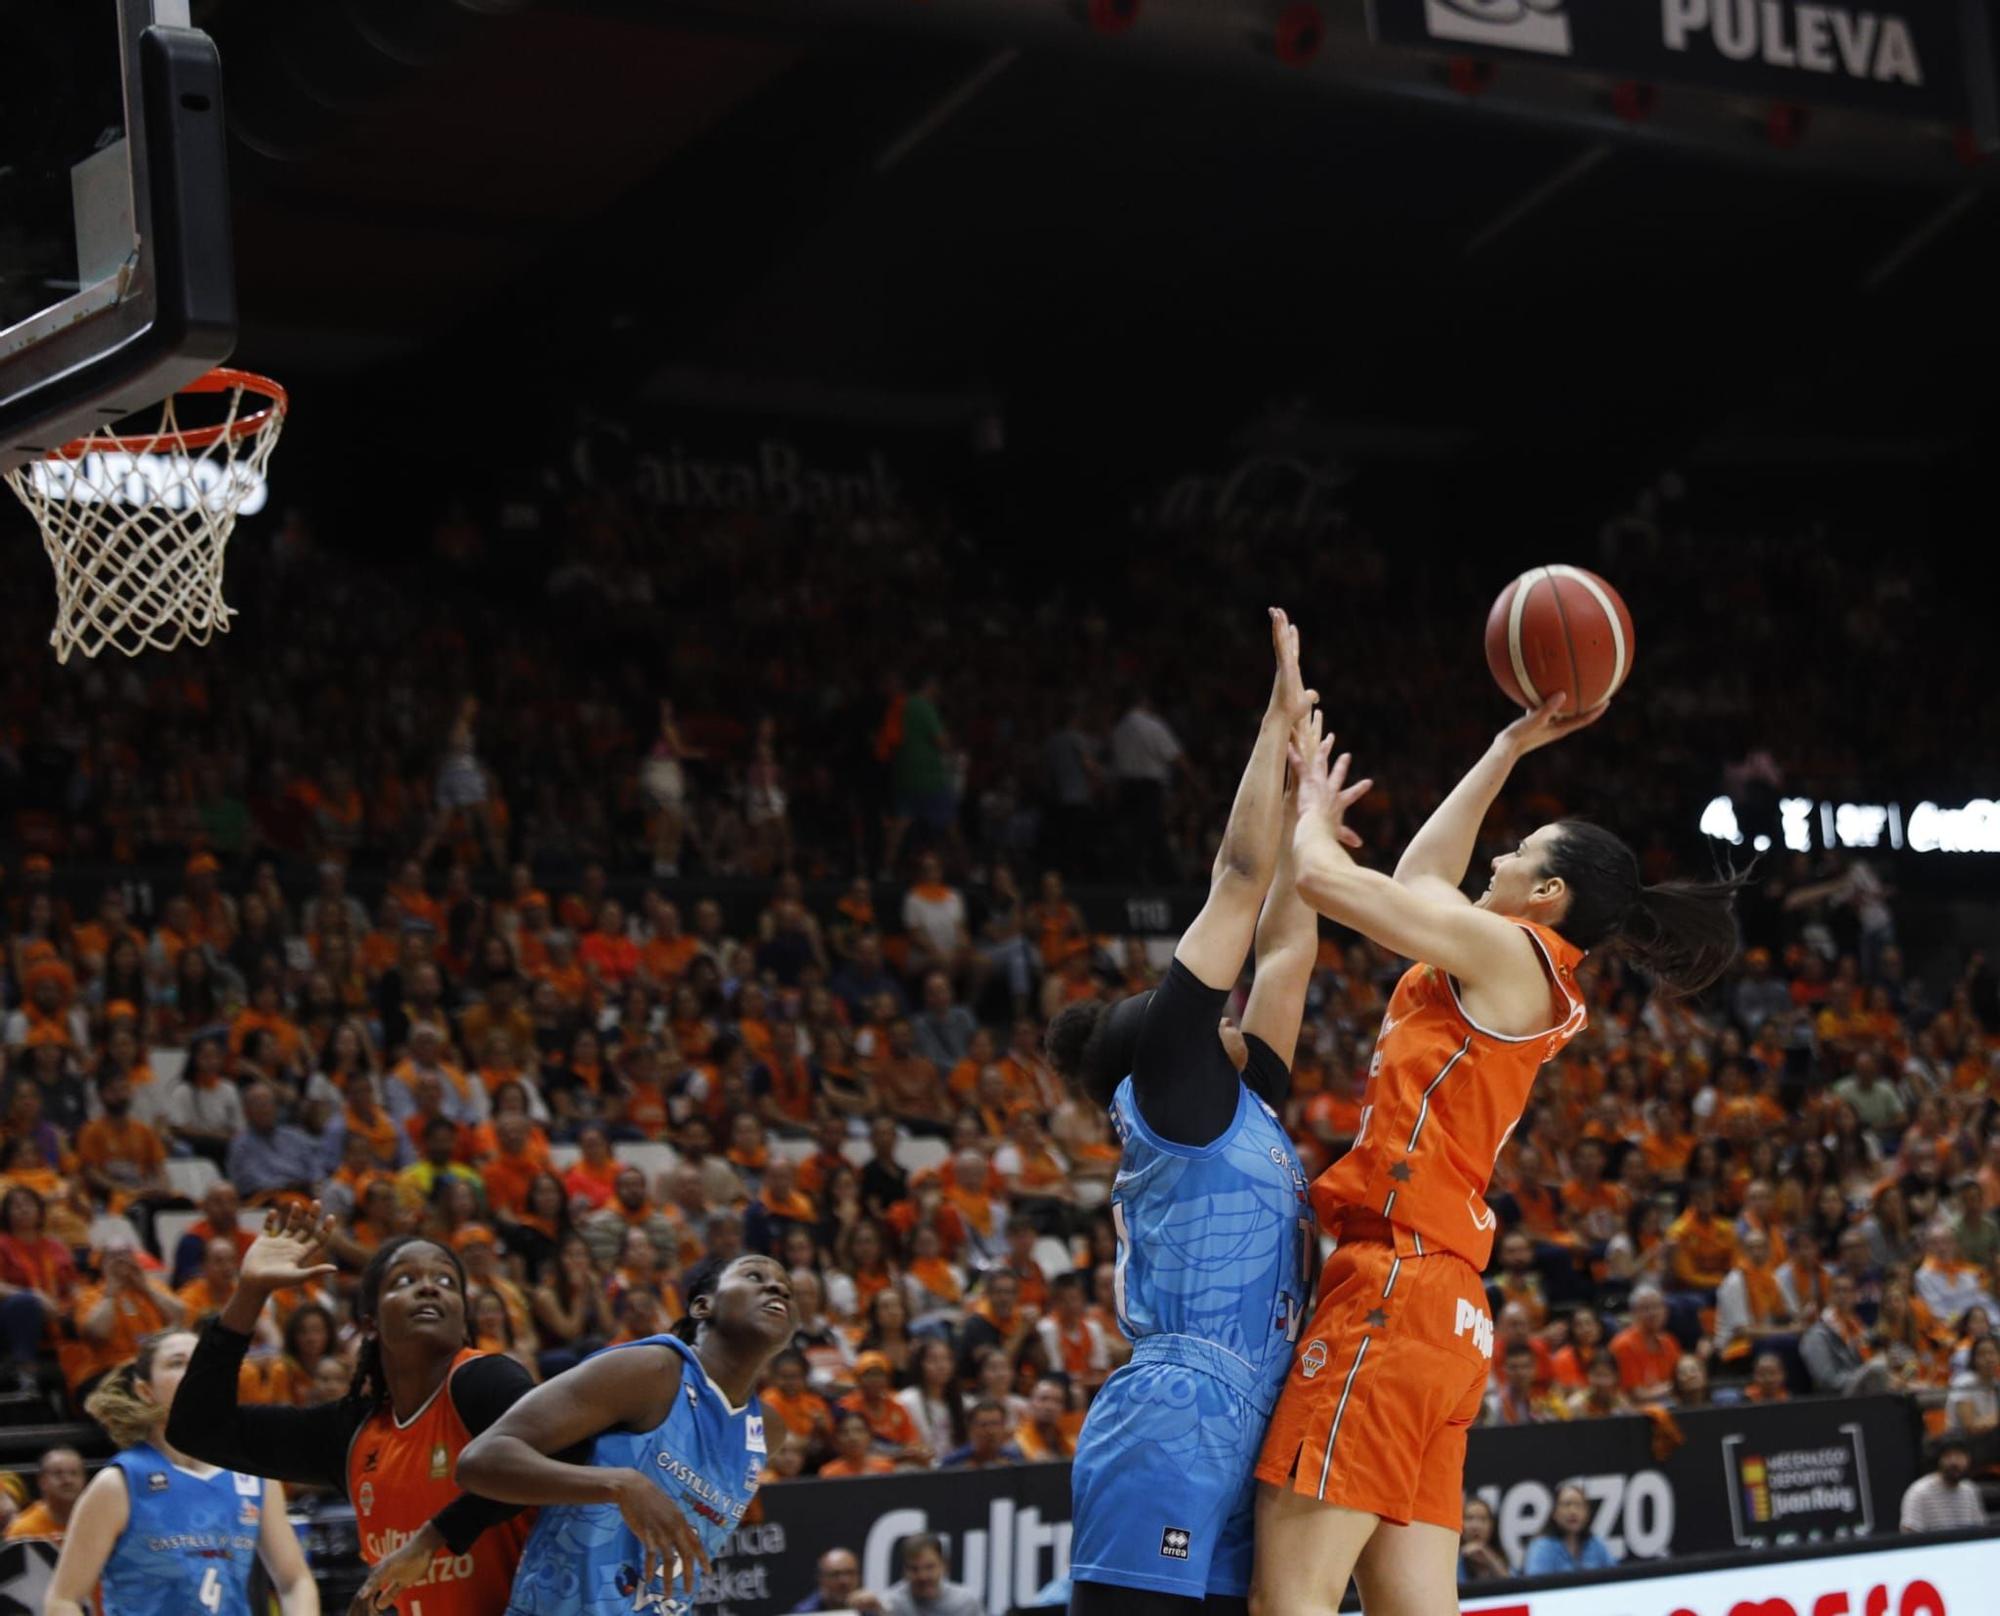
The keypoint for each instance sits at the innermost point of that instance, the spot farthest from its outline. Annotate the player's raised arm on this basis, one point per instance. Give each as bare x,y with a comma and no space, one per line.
1438,855
1214,946
1287,948
1418,922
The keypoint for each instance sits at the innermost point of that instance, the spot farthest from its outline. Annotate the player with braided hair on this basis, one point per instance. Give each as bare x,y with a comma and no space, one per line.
645,1456
420,1393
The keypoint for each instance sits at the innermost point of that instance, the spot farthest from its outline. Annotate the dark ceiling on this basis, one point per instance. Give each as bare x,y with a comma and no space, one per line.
826,215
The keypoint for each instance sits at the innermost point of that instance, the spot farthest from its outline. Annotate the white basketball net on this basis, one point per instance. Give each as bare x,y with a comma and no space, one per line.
136,526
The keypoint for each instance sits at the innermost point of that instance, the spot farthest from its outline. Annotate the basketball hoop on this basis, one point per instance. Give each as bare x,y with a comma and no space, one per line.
136,523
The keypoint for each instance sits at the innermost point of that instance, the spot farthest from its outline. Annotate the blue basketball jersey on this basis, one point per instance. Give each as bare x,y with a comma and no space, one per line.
1214,1246
583,1560
188,1542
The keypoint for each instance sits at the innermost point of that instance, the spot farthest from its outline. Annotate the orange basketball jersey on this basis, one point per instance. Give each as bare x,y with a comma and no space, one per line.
1443,1095
399,1477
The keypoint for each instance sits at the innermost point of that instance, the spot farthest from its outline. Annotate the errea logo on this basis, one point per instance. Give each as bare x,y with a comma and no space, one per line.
1174,1542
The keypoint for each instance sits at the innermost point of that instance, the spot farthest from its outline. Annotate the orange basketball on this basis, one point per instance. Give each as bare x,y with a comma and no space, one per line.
1559,629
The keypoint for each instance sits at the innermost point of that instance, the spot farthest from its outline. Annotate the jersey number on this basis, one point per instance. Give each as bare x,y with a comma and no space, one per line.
211,1589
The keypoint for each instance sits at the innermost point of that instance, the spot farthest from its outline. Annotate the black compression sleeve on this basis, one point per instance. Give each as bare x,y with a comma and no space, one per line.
1181,1076
1267,1077
481,1392
307,1445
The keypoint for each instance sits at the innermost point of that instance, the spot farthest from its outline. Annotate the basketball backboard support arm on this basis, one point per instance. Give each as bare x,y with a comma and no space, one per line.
167,314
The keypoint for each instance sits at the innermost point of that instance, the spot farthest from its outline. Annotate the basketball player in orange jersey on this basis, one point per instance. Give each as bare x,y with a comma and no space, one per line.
421,1392
1363,1464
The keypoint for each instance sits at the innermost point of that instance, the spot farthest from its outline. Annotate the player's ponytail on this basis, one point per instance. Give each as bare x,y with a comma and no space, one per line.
127,1414
1681,933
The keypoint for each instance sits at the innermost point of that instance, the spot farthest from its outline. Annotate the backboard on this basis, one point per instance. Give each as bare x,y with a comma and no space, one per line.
116,283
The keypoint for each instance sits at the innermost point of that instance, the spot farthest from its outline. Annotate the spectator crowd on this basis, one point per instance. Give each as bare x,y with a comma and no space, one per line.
595,1083
1787,1190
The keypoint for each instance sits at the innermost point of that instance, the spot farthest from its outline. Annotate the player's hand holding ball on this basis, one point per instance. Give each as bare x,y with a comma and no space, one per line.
1549,722
1559,642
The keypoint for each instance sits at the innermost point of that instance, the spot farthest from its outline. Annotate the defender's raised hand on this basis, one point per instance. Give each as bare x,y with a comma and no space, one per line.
1290,700
292,1250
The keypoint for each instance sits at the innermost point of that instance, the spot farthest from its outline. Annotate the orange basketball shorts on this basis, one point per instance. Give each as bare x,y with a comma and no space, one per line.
1386,1381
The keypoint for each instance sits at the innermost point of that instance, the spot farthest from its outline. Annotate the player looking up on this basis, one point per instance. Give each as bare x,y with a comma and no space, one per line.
667,1441
420,1393
1365,1459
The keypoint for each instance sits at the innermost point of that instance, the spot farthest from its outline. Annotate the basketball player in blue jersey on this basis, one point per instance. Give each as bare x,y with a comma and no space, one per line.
169,1535
1213,1274
661,1445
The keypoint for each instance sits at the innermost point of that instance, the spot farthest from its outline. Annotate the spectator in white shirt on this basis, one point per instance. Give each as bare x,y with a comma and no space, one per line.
934,916
1946,1498
933,1401
1947,1284
1144,755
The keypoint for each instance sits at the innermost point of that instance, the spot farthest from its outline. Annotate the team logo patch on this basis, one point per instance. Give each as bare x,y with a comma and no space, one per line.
440,1463
753,1434
248,1514
366,1498
248,1486
1313,1359
156,1481
1174,1542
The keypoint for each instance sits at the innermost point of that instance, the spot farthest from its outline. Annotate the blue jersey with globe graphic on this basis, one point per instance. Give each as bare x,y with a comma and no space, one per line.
1214,1243
583,1560
1213,1284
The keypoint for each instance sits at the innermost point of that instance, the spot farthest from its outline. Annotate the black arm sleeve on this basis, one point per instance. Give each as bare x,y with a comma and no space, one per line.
481,1392
1267,1077
307,1445
1181,1075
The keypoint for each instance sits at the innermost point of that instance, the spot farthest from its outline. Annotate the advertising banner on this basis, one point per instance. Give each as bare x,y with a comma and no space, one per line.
1918,1579
1919,58
1749,1477
1752,1476
1006,1535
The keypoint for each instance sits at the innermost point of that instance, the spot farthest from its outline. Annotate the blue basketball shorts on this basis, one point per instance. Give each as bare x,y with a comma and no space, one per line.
1163,1487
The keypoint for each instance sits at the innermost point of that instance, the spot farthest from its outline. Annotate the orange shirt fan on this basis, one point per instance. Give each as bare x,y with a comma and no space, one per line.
136,523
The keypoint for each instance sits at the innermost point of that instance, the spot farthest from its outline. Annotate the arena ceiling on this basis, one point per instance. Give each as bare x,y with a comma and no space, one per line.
835,215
